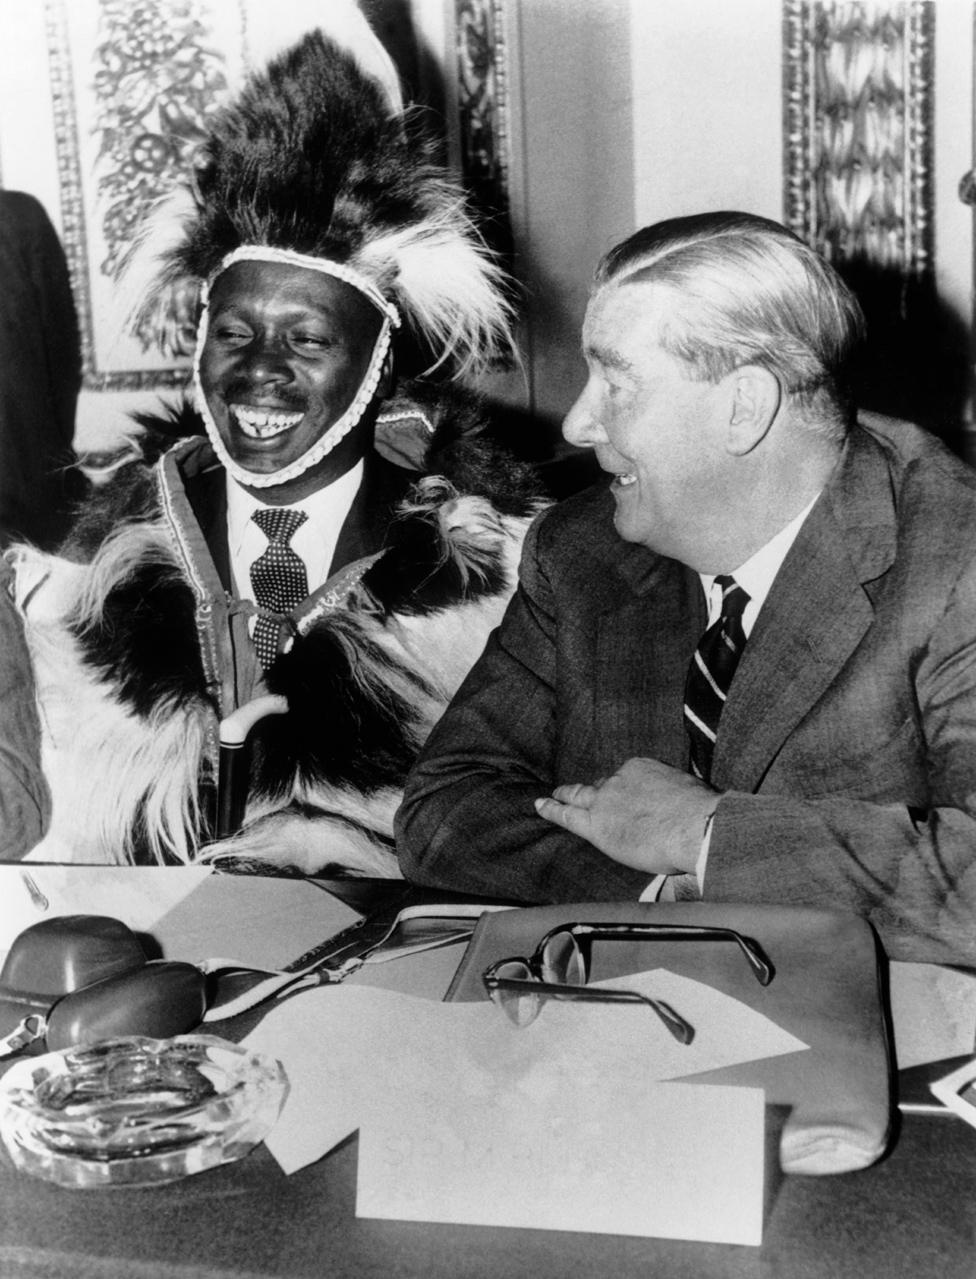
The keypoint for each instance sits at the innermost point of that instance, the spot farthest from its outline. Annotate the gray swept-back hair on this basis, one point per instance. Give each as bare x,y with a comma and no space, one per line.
748,291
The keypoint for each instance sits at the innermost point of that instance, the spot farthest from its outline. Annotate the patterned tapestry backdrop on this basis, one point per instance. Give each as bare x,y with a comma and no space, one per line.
858,125
859,131
131,86
482,91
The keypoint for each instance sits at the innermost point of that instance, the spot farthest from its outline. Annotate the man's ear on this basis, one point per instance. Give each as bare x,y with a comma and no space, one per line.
755,398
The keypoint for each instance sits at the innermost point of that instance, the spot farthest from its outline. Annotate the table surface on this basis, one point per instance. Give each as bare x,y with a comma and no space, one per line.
913,1214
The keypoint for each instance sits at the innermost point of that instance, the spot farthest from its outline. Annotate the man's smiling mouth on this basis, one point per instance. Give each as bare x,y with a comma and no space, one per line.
263,424
624,479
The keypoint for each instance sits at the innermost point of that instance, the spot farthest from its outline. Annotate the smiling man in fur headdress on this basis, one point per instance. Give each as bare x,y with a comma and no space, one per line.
325,540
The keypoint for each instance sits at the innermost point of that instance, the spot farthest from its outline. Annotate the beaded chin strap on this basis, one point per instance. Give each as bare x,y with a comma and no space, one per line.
367,388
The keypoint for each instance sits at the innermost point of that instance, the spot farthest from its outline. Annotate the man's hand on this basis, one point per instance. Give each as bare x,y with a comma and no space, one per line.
647,815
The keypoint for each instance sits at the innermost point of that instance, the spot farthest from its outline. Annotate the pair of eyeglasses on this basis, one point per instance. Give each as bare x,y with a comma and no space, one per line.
560,965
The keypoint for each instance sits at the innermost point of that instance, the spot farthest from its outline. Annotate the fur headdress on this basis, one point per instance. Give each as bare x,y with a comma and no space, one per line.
313,160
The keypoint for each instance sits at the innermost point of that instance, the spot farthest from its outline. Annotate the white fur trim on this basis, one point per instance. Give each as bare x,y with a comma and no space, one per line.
147,293
105,766
441,647
322,840
450,285
108,769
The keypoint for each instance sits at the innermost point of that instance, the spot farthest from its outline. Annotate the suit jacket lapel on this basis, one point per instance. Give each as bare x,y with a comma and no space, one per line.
814,617
206,492
365,527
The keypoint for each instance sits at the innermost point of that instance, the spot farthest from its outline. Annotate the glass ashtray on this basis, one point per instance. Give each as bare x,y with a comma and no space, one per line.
137,1111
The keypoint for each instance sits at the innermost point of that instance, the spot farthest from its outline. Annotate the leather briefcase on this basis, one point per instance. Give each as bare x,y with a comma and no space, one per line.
827,990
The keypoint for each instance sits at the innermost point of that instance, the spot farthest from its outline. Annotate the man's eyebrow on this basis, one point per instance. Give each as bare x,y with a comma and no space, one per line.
607,357
298,312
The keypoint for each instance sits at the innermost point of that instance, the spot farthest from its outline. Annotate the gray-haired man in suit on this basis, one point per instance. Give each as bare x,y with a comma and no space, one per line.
601,748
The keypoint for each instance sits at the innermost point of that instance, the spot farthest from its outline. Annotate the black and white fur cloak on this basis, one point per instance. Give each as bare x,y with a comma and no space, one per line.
129,702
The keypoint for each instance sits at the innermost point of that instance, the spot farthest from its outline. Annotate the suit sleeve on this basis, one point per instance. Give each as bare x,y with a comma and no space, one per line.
25,803
911,871
40,375
467,821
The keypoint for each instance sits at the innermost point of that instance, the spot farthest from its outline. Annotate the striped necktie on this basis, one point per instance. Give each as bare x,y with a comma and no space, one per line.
278,577
710,675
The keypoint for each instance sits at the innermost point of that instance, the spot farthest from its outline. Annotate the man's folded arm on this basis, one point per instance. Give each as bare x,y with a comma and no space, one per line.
467,821
913,879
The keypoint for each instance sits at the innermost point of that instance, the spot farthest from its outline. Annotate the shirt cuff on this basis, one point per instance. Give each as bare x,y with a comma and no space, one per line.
653,890
702,861
657,889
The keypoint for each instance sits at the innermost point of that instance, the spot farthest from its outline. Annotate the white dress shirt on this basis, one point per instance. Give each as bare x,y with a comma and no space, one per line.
756,577
315,542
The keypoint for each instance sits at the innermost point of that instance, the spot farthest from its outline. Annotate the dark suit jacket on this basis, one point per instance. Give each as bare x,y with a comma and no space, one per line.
40,375
847,750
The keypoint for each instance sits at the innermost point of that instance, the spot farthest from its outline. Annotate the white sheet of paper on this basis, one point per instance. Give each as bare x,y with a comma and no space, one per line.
933,1012
345,1048
139,896
674,1161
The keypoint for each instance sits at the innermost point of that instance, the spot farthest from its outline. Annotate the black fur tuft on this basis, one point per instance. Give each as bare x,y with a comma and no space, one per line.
172,421
129,497
308,158
145,642
361,738
465,448
414,577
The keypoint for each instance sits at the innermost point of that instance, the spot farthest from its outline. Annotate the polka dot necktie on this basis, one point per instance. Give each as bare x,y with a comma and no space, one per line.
710,675
278,576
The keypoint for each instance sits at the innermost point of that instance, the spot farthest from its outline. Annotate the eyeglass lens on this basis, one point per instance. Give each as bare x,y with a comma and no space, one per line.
519,1006
562,961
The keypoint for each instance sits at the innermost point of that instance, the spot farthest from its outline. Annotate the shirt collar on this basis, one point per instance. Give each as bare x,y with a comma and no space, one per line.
241,504
757,574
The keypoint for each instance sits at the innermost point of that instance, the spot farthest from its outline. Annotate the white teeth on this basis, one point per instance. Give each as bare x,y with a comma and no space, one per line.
262,424
626,478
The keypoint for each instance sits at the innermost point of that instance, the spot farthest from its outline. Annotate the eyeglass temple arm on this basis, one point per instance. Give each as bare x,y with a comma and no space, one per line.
682,1030
754,953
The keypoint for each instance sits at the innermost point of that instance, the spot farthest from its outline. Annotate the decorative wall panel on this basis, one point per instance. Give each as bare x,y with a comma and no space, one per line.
119,94
482,94
859,91
131,86
859,131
